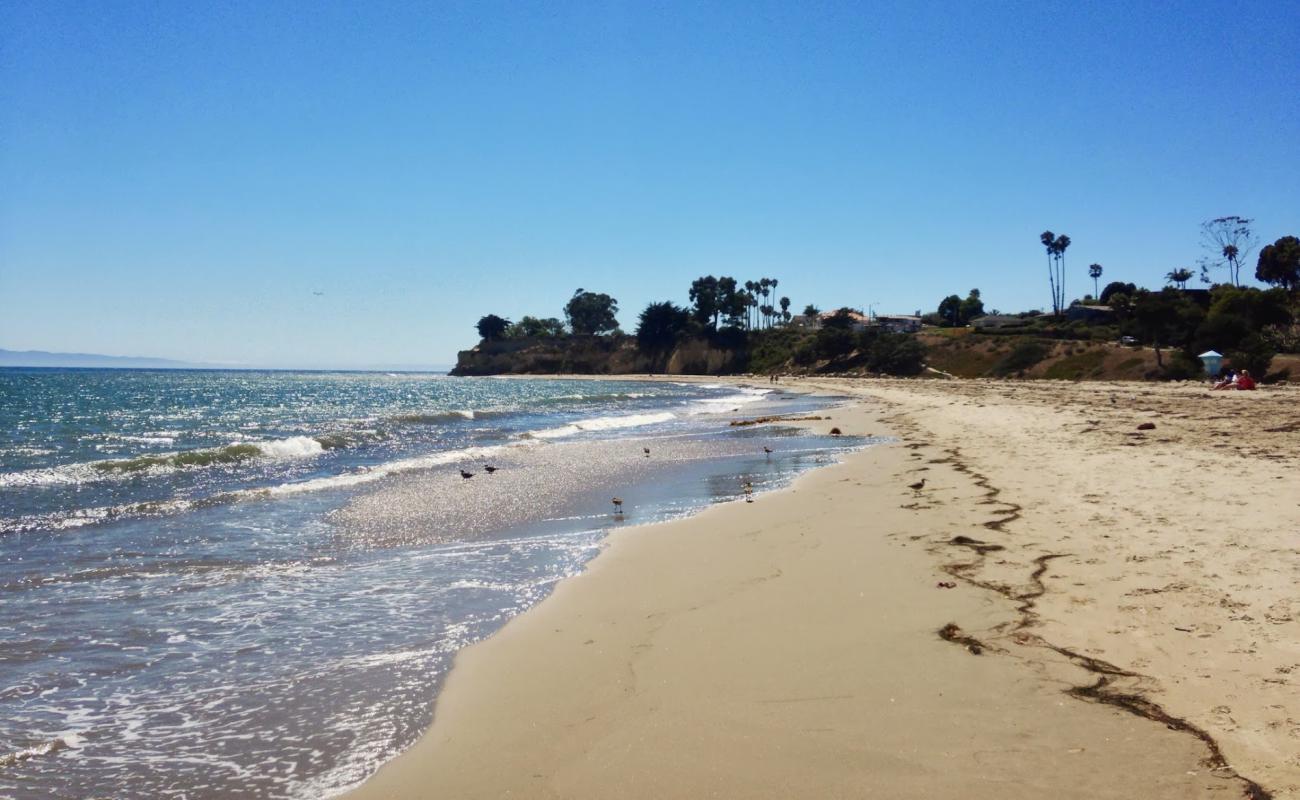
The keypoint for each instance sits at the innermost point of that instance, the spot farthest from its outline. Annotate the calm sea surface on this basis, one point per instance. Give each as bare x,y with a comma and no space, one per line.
218,584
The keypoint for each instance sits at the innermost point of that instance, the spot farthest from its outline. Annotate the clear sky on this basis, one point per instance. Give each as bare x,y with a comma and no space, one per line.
181,179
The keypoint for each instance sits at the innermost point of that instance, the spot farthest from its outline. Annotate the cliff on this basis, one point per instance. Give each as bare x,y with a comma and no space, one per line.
595,355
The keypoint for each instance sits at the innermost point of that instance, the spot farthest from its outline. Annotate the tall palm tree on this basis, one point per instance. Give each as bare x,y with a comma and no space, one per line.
1062,242
1094,272
749,287
785,308
765,288
774,283
1049,243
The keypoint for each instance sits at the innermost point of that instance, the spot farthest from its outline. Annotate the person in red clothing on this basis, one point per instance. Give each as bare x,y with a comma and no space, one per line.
1244,381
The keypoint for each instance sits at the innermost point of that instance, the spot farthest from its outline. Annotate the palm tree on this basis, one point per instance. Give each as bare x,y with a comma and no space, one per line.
1049,243
1094,272
1062,242
774,283
765,288
1180,277
785,309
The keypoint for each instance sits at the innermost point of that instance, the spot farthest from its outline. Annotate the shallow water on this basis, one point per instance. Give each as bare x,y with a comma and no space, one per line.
278,625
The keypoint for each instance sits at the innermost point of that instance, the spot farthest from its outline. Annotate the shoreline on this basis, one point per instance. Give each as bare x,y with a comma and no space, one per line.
582,695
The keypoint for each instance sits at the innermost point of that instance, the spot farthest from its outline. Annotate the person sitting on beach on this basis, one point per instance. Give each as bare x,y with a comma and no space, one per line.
1227,379
1244,382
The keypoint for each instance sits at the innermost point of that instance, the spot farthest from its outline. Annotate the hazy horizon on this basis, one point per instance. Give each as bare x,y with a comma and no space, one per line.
294,185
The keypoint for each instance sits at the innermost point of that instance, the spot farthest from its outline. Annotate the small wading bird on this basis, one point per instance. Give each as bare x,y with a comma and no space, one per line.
646,450
489,469
918,486
466,475
618,506
767,450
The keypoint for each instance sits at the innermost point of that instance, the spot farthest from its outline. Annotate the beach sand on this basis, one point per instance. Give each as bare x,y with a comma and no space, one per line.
1123,620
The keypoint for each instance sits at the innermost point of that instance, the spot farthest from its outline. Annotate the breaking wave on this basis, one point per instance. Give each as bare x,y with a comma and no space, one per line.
601,424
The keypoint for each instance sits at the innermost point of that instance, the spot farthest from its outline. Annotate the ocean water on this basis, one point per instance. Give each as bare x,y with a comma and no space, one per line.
218,584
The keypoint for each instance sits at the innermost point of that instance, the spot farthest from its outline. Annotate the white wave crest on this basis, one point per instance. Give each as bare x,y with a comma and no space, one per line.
293,447
602,424
715,405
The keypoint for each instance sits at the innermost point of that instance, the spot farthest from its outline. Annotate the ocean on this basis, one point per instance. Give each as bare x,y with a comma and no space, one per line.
229,583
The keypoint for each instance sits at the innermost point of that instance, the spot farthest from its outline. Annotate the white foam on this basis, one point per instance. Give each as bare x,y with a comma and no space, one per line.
714,405
602,424
293,447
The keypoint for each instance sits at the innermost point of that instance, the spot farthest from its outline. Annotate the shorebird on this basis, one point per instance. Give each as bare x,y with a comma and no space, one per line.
618,506
466,475
767,450
489,469
918,486
646,450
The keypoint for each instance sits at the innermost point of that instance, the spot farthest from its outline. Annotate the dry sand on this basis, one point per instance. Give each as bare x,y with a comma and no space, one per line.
1123,621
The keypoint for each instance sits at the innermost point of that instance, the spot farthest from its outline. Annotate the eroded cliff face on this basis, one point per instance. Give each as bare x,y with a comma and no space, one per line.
594,355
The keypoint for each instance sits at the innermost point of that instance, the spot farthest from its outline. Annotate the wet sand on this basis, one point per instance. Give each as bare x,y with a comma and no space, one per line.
1113,629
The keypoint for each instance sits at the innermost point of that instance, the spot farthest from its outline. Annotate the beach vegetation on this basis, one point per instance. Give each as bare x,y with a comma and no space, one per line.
535,328
1179,277
1022,356
1279,264
659,328
591,313
492,327
1094,272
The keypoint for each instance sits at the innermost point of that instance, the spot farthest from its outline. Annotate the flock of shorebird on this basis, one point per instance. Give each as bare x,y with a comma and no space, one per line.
747,487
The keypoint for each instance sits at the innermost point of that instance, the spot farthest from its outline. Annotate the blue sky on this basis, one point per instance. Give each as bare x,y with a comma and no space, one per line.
179,180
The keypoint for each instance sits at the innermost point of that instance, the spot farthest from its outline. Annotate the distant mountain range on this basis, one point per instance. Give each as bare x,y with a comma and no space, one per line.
41,358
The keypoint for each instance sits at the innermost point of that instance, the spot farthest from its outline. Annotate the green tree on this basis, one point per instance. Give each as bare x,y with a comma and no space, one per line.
950,311
1229,242
895,354
659,327
705,297
972,307
591,313
532,327
1279,263
811,311
785,309
492,327
1116,287
1094,272
842,320
1179,277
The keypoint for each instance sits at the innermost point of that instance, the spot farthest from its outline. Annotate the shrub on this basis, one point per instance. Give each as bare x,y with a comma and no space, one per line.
1023,356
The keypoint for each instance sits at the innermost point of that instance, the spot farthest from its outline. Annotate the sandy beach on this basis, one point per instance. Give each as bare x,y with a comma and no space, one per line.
1070,606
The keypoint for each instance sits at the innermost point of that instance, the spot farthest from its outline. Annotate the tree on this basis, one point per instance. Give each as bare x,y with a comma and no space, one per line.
733,304
950,311
1229,241
591,313
659,327
811,311
1116,287
972,307
532,327
492,327
1094,272
1279,263
1179,277
842,320
1048,240
774,285
705,297
1056,247
785,309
